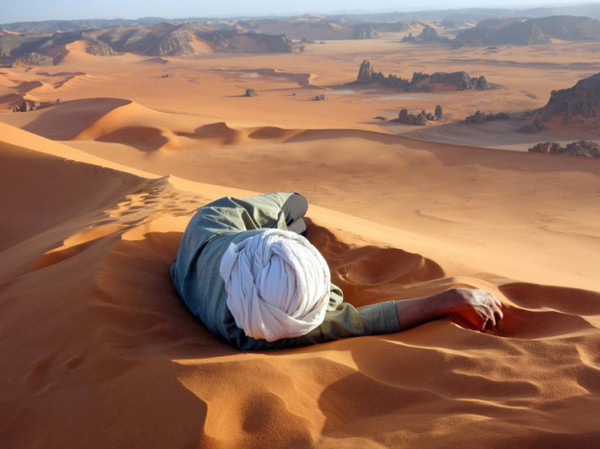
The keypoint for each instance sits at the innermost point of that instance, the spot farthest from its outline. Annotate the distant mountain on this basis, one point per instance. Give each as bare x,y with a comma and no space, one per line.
521,31
473,15
51,26
313,27
41,43
160,39
303,27
270,25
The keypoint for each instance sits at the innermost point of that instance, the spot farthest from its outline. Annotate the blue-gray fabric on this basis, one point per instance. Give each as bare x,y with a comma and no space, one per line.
195,274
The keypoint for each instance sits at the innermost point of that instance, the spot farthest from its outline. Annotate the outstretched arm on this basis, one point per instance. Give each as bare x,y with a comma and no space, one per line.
475,306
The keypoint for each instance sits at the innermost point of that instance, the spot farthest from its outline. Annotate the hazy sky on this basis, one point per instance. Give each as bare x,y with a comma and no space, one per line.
33,10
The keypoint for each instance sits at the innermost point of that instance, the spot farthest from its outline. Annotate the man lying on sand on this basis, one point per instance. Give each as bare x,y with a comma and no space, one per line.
246,270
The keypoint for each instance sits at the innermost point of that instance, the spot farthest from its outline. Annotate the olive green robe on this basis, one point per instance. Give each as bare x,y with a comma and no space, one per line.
195,274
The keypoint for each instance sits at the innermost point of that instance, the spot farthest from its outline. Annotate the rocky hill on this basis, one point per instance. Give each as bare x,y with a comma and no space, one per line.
521,31
232,41
421,82
429,35
35,49
579,104
162,39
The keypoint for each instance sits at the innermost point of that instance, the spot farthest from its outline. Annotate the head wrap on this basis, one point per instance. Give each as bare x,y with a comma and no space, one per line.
277,284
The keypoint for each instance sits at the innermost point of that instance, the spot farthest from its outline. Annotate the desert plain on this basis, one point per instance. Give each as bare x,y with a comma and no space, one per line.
98,350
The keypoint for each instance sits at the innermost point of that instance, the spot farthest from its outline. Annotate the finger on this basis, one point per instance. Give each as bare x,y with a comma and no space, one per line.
496,308
499,314
492,319
496,301
485,323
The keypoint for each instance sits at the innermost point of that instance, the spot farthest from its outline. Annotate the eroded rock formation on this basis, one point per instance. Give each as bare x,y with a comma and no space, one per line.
421,82
32,59
481,117
30,105
574,105
581,148
421,118
429,35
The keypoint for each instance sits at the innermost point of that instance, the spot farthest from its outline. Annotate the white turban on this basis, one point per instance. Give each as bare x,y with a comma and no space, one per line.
277,284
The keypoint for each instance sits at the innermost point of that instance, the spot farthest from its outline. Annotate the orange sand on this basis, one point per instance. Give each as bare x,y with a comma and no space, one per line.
98,351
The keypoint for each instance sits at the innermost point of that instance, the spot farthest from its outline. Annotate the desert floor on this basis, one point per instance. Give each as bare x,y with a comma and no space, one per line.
99,351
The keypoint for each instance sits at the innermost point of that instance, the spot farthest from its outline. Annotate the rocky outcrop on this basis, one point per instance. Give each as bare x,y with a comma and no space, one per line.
26,106
98,48
32,59
421,82
421,118
577,104
232,41
583,100
581,148
429,35
481,117
366,74
176,43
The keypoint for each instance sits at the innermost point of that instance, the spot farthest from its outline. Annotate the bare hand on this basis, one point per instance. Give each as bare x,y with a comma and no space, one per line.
477,307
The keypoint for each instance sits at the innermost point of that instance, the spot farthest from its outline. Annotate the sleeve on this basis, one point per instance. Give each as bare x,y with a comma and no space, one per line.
342,320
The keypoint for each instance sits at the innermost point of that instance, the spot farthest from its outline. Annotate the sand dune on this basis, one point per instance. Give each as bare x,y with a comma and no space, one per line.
143,362
35,87
122,121
99,351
